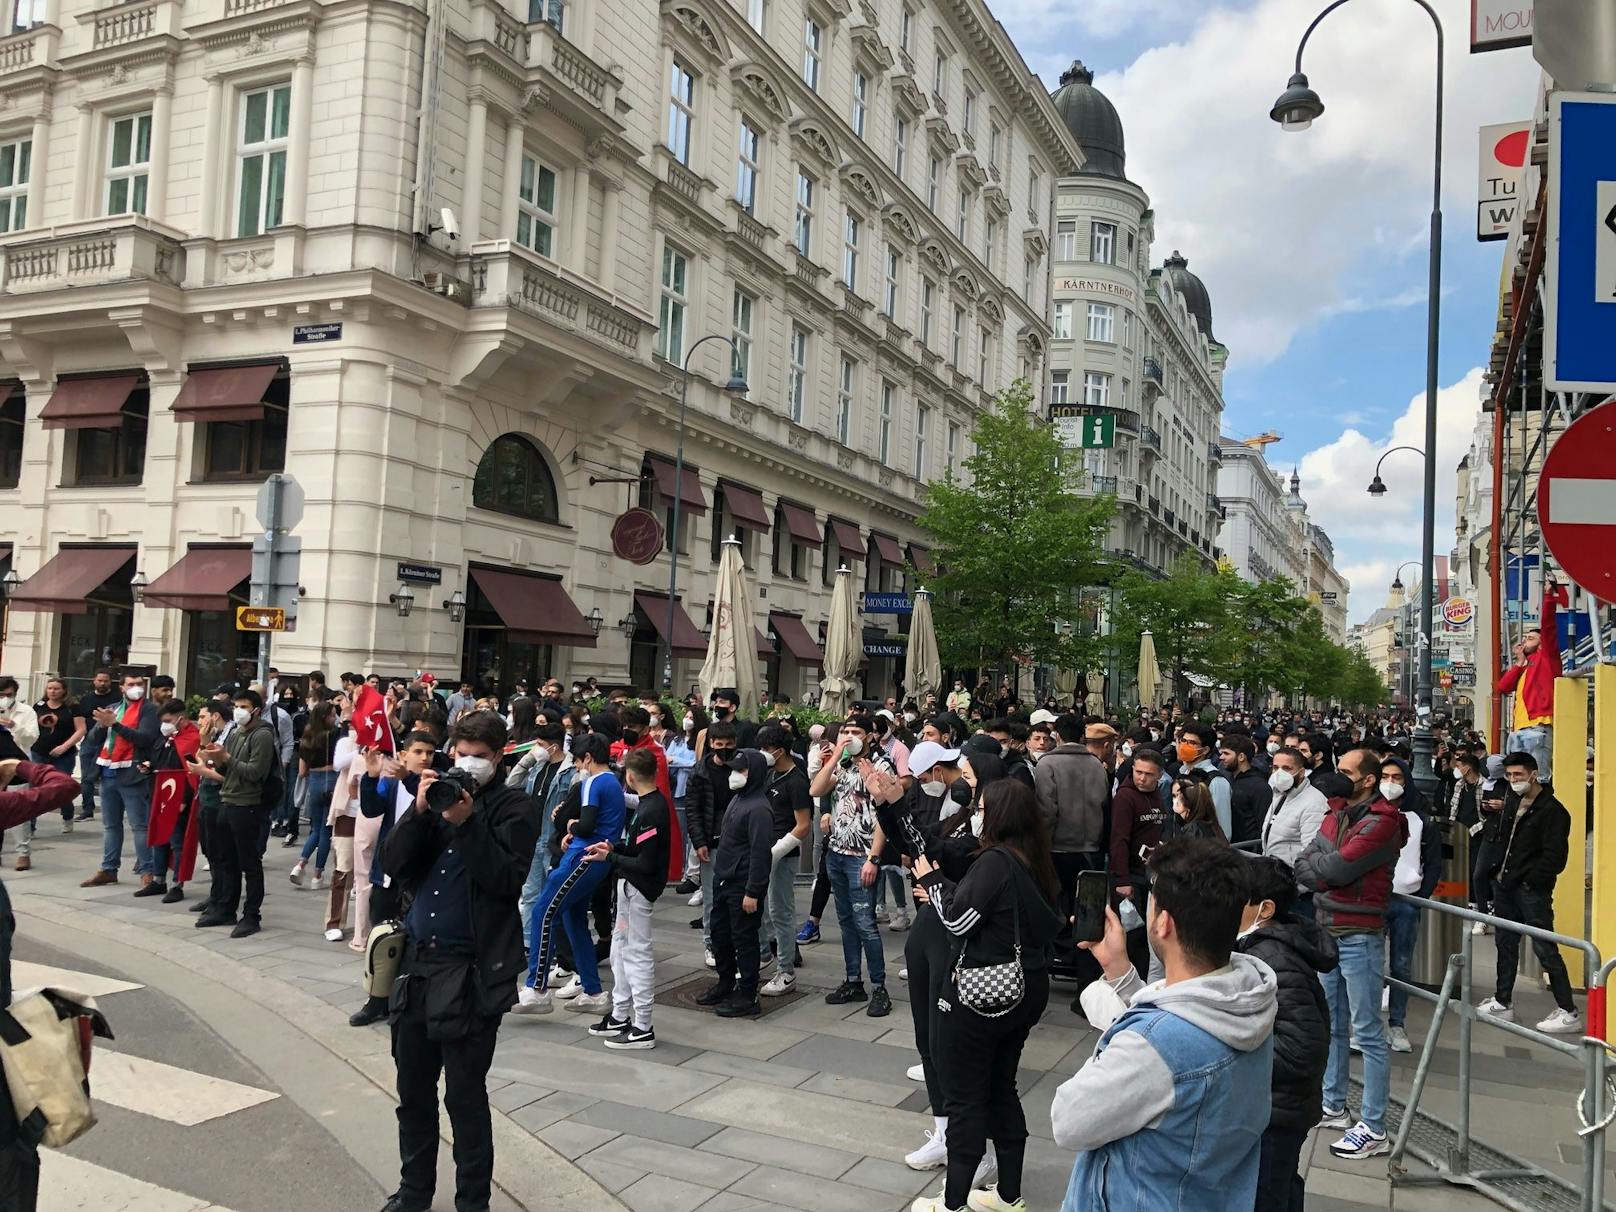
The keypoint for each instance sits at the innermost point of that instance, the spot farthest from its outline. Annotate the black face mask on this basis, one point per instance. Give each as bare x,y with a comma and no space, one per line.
721,757
960,792
631,736
720,712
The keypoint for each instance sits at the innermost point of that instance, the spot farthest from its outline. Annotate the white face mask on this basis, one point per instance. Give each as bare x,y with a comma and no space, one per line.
1390,790
934,788
1127,749
135,693
689,722
1520,788
1273,748
737,780
854,747
242,716
169,729
480,768
6,702
1281,781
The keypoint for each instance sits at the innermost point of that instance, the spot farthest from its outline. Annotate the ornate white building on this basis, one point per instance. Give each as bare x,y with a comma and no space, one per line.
443,261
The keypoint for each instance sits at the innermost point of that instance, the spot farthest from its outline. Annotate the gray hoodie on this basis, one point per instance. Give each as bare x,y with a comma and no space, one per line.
1128,1088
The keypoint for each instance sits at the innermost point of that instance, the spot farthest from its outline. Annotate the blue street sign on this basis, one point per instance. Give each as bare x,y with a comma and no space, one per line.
1580,266
888,603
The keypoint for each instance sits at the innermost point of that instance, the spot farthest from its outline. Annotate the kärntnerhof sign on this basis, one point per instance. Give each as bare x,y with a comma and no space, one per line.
1096,286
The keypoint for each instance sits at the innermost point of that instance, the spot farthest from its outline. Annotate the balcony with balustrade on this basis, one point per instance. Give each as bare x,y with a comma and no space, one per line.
1155,381
504,274
1149,440
97,252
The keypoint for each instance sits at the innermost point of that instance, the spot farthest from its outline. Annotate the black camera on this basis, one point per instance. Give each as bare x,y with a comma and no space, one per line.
444,793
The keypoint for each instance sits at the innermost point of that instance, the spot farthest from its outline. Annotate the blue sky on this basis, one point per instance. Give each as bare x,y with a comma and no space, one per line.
1313,245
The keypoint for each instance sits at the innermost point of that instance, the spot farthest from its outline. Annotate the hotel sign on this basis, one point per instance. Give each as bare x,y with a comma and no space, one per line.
1096,286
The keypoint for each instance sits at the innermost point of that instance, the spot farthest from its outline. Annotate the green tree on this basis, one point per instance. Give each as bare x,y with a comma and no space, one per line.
1361,683
1013,546
1187,614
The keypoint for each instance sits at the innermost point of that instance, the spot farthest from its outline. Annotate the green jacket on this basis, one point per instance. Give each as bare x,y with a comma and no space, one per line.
252,756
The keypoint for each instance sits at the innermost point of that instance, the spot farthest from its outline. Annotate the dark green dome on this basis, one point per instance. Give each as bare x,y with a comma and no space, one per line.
1193,291
1092,119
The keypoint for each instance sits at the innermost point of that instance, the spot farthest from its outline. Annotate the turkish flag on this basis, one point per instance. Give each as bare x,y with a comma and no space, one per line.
169,788
370,726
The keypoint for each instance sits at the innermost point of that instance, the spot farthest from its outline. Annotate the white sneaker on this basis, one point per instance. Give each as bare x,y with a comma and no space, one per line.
707,957
333,935
1562,1022
1360,1141
559,976
903,974
780,984
296,876
881,914
1480,928
573,988
933,1155
67,826
317,884
899,923
1332,1118
1397,1040
990,1201
987,1170
530,1001
916,1073
588,1003
930,1203
1493,1008
695,899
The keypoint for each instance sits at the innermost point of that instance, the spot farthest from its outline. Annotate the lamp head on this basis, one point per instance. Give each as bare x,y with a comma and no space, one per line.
1297,106
736,385
1377,487
403,601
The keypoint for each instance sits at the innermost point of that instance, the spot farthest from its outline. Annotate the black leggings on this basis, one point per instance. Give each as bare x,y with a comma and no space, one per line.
926,952
983,1054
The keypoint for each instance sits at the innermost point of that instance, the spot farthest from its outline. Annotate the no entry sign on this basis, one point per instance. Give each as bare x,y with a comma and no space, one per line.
1576,501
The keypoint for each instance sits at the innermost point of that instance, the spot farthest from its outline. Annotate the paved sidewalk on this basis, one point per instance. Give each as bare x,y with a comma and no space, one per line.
806,1108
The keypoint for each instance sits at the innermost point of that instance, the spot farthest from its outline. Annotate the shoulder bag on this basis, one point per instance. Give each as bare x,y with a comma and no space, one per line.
993,990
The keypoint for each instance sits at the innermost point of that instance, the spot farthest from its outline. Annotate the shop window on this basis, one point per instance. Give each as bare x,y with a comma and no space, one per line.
513,478
116,454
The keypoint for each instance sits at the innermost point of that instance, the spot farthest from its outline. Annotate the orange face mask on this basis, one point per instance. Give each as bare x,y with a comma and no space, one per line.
1188,752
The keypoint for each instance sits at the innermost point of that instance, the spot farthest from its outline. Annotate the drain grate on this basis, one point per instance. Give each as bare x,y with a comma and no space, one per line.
683,993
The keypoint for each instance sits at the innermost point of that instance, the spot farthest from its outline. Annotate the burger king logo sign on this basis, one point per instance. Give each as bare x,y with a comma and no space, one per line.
1458,612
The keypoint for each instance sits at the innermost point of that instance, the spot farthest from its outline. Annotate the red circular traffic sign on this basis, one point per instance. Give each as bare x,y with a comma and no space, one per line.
1576,501
637,536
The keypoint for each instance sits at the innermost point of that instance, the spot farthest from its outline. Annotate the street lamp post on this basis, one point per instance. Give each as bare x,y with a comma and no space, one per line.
1377,486
735,387
1295,110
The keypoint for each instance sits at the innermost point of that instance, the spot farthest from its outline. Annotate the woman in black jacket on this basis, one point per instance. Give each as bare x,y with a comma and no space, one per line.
1297,950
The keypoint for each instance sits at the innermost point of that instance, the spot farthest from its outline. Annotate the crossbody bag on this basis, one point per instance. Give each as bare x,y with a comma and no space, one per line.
993,990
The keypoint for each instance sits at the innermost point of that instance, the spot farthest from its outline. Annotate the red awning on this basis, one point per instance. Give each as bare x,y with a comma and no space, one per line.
920,557
745,506
88,403
794,635
535,609
848,538
691,496
764,648
225,393
687,640
67,580
202,580
802,524
886,547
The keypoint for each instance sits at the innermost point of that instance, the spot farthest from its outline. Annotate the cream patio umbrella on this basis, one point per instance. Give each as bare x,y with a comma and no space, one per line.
1149,671
732,658
922,668
844,649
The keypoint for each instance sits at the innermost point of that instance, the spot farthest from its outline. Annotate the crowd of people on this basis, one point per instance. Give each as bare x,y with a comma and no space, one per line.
1221,888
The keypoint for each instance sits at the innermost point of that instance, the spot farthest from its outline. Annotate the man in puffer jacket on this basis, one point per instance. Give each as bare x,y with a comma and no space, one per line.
1298,951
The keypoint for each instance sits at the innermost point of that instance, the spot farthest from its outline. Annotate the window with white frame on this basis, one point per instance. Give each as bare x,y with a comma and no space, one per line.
883,437
740,331
1096,389
990,243
844,401
536,207
952,449
805,213
928,299
900,145
934,182
861,101
1127,327
956,338
1033,185
551,12
128,163
906,31
262,141
984,356
1029,268
1122,400
1062,326
1103,243
993,145
675,299
963,222
939,74
16,170
25,14
1102,322
813,42
1060,386
922,423
852,232
1066,240
893,276
748,149
968,118
757,12
681,111
797,384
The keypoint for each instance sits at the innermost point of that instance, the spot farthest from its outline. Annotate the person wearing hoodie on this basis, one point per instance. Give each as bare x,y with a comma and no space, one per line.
1297,951
739,885
1295,813
1176,1092
1419,867
1349,866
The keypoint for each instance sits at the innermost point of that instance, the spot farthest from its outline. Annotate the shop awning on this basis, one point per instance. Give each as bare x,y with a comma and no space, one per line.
691,496
802,524
886,547
534,609
687,640
225,393
848,538
202,580
795,638
764,648
920,557
67,580
745,506
88,403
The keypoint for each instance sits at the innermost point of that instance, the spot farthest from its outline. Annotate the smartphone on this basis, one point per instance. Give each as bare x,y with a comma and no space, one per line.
1093,892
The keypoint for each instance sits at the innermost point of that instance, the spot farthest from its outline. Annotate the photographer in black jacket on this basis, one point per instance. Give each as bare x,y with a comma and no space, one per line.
462,861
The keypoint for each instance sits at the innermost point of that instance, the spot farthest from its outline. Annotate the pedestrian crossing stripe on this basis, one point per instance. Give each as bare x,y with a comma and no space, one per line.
26,976
166,1092
70,1184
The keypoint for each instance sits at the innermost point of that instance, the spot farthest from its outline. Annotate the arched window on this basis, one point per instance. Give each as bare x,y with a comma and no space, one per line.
513,478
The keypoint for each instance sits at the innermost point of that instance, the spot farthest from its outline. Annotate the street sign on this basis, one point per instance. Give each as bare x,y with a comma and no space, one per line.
887,603
1576,501
280,503
1580,269
421,574
1499,160
315,334
260,618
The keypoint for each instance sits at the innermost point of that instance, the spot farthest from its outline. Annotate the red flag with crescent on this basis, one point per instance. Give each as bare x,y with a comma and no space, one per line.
169,789
370,726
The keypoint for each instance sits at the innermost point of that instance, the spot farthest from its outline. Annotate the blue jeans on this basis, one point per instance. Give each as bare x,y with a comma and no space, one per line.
1353,994
120,797
89,770
318,786
564,903
1537,740
1402,929
855,913
538,871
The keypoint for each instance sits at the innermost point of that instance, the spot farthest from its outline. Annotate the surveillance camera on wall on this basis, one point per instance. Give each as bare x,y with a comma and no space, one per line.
449,224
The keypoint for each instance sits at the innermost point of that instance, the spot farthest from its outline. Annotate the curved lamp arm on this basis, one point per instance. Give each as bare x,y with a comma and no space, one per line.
1394,450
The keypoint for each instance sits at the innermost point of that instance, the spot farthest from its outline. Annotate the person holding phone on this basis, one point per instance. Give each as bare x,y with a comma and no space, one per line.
131,733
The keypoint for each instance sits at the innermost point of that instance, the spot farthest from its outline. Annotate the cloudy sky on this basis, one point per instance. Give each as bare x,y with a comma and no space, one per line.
1313,245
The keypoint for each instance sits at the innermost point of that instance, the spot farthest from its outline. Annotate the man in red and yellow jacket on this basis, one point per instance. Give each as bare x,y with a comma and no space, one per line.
1531,680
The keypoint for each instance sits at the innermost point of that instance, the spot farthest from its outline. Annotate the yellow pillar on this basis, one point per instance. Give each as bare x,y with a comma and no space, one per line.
1570,755
1604,865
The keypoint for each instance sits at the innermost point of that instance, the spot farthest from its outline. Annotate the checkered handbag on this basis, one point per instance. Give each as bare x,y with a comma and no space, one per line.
993,990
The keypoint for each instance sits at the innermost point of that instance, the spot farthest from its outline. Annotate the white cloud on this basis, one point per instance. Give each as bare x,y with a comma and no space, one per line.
1098,19
1373,535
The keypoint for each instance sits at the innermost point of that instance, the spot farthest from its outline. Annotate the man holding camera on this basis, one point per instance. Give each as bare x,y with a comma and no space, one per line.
461,854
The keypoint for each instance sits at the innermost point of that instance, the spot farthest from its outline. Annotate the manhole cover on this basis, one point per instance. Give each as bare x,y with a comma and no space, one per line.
684,993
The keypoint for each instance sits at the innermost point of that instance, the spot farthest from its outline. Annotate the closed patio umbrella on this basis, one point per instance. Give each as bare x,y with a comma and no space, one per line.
1149,671
732,658
923,668
844,649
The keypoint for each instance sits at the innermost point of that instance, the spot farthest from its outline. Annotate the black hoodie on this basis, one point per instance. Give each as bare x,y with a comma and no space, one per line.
748,829
1297,951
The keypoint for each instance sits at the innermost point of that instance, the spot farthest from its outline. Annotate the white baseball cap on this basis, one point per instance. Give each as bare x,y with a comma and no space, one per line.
1042,716
927,754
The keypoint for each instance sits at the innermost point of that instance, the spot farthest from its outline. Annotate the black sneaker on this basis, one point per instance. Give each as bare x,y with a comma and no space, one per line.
245,928
687,887
174,895
609,1026
847,991
633,1037
695,922
880,1003
154,888
717,995
201,906
215,917
741,1007
373,1011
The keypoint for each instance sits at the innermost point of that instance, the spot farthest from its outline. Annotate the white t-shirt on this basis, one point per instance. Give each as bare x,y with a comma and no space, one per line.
1406,876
